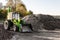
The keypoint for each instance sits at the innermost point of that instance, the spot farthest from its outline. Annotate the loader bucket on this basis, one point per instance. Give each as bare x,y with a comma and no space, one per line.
26,28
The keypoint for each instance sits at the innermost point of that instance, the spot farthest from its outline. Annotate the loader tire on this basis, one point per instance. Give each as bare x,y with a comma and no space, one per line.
7,24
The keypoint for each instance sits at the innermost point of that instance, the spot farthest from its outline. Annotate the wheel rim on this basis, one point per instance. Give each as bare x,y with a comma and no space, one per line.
6,25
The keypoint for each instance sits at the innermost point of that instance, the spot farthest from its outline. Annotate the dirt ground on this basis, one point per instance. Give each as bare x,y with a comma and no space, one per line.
4,35
42,35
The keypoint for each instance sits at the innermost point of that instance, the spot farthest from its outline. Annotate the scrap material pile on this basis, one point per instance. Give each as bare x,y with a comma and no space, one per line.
41,21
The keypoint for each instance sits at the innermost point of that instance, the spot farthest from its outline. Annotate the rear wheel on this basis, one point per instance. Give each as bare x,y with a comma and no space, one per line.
8,24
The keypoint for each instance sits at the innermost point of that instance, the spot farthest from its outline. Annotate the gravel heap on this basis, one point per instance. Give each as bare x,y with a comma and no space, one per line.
33,20
41,21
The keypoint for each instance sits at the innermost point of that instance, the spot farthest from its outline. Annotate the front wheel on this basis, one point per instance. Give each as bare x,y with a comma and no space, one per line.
6,25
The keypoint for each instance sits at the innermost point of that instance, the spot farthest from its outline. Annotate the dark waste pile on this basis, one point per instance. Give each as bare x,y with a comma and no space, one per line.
41,21
38,22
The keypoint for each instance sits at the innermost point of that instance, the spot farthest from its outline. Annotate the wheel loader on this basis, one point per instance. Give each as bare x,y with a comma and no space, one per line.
15,23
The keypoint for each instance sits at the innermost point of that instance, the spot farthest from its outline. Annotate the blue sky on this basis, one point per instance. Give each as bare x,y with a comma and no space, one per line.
51,7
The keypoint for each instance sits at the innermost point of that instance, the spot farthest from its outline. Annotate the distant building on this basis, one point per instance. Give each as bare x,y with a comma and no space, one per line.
1,5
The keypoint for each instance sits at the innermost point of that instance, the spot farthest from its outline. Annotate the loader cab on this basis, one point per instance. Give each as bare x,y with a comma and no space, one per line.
15,15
